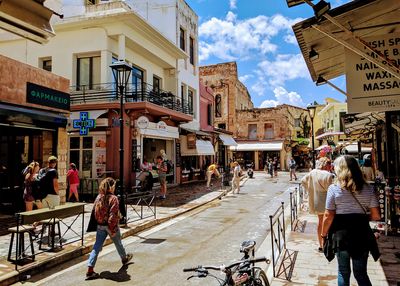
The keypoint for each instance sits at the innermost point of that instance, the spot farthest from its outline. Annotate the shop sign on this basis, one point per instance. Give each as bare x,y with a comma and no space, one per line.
45,96
142,122
84,123
369,87
191,141
161,125
178,154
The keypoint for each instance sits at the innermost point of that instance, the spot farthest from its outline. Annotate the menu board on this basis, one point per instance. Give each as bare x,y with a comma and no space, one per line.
99,154
178,154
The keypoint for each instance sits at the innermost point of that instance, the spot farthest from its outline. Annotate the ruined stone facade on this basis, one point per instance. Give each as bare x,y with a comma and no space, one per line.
230,95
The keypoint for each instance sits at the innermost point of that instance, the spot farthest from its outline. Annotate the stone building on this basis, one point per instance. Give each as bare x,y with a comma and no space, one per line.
230,95
265,133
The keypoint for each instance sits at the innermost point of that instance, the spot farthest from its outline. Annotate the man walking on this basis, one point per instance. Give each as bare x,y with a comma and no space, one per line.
292,167
48,177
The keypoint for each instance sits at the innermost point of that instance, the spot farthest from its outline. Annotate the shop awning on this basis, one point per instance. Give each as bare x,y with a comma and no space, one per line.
14,113
227,140
160,133
262,146
329,134
203,147
353,147
197,132
93,114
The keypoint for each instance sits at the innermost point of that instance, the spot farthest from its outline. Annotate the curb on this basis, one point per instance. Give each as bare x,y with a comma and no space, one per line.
15,276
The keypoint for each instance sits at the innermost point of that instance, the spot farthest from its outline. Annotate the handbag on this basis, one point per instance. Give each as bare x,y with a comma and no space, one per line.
92,226
328,248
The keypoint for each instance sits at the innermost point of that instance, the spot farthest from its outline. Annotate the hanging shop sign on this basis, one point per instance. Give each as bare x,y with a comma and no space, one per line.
84,123
191,141
45,96
369,87
142,122
161,125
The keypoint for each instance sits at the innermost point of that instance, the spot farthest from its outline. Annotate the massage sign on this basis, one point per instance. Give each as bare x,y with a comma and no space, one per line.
369,87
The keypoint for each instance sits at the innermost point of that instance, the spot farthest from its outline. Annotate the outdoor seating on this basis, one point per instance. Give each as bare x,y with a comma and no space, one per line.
18,233
52,233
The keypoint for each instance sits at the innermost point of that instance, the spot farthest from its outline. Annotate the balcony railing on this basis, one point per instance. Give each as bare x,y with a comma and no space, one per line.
106,92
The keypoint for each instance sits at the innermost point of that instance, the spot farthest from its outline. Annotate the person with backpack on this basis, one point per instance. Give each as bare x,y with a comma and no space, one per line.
48,178
162,169
31,185
73,181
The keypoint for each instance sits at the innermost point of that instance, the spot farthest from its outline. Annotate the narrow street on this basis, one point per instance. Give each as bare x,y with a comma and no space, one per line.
211,235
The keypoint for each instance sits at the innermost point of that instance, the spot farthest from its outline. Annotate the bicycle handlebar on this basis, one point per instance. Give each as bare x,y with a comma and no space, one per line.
201,268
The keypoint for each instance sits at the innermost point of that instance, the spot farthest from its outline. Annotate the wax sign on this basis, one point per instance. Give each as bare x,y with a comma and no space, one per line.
84,123
369,87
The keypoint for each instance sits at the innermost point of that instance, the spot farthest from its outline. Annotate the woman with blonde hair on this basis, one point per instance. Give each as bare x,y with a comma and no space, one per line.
31,173
346,221
106,207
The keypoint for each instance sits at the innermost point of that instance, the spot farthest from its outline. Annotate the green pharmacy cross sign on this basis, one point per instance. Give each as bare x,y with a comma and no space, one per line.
84,123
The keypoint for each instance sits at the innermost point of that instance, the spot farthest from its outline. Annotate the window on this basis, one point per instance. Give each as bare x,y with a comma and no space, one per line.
269,131
252,131
190,101
137,80
183,96
88,72
341,116
218,107
47,65
222,126
182,39
331,123
297,122
156,84
191,50
209,114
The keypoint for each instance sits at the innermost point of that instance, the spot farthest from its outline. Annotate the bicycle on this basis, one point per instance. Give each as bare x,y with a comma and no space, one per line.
239,273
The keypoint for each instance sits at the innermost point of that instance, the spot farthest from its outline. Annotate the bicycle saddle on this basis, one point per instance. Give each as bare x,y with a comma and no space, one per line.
247,246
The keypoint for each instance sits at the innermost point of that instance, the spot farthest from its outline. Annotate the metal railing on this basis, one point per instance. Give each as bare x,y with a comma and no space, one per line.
278,237
106,92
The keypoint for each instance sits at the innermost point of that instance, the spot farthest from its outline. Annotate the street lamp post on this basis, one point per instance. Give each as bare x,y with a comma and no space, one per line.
311,109
121,72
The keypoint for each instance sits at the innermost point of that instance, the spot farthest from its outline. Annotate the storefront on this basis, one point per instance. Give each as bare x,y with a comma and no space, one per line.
197,153
258,153
33,116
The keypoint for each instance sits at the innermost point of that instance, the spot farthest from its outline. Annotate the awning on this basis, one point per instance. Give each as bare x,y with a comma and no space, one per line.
275,146
160,133
14,113
329,134
321,147
203,147
227,140
197,132
353,147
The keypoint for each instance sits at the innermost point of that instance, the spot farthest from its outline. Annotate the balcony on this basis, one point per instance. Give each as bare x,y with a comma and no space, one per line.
106,93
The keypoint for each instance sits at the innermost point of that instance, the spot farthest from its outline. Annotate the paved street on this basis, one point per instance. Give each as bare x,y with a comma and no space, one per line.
208,236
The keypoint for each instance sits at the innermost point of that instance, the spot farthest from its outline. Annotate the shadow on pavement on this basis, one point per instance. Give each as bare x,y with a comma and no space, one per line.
120,276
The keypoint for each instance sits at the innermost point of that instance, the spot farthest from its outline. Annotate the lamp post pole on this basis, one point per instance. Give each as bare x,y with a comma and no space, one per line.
121,72
311,109
312,144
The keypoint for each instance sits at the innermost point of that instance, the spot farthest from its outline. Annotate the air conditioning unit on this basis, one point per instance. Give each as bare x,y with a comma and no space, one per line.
27,18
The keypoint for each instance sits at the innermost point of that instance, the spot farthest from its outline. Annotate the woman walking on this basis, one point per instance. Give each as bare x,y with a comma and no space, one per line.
31,173
73,181
347,220
106,209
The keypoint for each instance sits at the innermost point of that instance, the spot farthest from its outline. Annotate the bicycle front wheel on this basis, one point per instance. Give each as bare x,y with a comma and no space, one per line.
260,278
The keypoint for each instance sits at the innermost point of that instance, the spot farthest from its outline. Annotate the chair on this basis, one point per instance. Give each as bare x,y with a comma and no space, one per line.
20,237
51,223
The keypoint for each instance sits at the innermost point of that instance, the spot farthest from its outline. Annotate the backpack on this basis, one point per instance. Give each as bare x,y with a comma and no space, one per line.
169,166
292,164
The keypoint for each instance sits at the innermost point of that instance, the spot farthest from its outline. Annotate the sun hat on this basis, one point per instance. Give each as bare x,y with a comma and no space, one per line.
52,158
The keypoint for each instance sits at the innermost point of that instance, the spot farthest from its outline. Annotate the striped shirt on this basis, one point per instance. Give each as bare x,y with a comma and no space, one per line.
341,200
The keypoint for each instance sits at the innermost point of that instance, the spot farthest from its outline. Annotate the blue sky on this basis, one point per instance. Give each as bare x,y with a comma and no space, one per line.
257,34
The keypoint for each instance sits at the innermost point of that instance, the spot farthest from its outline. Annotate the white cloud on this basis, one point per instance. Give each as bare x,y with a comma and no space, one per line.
245,77
232,4
290,39
283,97
283,68
233,39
